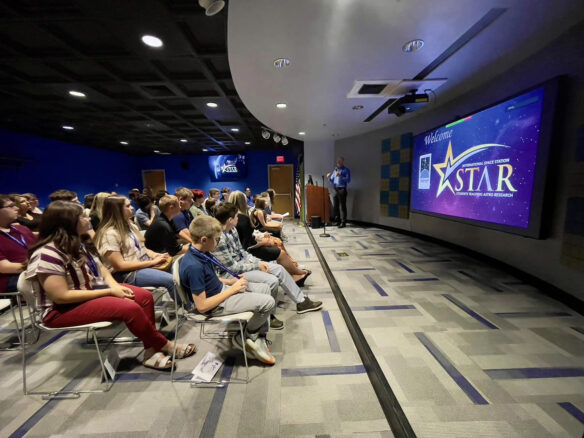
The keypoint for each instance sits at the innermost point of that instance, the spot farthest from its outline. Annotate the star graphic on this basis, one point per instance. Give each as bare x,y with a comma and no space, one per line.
448,162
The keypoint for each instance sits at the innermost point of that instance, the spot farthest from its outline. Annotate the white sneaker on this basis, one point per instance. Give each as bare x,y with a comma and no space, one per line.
259,349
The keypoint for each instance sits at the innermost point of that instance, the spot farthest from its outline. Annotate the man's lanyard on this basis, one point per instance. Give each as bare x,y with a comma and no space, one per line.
213,259
20,241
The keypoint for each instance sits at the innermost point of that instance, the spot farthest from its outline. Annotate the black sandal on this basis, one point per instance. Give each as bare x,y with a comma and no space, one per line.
300,283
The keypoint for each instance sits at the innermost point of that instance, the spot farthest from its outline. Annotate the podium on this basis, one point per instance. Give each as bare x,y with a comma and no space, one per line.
315,204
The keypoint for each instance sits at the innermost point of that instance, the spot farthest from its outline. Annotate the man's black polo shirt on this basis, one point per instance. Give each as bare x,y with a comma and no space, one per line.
161,236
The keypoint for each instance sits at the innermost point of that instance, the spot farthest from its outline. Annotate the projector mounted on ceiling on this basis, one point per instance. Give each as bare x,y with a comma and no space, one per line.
408,103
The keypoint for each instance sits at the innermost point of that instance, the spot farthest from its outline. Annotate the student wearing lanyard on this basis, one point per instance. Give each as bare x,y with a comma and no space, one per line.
184,219
15,240
75,289
223,296
123,254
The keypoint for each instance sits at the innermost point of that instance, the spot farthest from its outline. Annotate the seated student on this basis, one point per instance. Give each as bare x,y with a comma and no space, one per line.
184,218
87,202
162,235
214,194
34,202
259,221
248,198
120,248
147,190
231,254
198,207
210,205
225,192
133,196
146,213
63,195
159,195
15,239
216,296
267,248
24,217
96,211
269,202
76,289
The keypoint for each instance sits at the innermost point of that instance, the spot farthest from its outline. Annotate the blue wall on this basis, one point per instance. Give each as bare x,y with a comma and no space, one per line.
192,171
53,165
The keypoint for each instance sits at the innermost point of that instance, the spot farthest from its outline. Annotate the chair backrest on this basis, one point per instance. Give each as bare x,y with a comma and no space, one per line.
31,291
176,278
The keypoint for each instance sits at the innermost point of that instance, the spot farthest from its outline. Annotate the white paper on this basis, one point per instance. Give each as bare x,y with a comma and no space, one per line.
206,368
111,363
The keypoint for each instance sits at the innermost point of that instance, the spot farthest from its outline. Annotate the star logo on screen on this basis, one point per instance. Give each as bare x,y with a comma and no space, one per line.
451,164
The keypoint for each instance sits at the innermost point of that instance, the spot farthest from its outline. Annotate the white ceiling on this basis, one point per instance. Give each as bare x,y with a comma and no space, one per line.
332,43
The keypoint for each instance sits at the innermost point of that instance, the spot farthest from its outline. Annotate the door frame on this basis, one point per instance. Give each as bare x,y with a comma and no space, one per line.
152,170
292,194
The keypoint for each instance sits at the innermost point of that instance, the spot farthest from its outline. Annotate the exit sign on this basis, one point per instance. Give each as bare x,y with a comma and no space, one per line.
280,159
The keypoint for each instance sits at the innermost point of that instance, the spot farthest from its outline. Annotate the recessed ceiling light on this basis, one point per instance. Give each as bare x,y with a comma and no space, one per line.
281,105
234,129
123,142
152,41
205,149
68,128
413,45
212,105
76,93
156,151
183,140
281,63
358,107
302,133
248,142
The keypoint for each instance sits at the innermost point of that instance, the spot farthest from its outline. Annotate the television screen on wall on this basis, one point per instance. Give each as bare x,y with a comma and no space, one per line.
227,167
489,167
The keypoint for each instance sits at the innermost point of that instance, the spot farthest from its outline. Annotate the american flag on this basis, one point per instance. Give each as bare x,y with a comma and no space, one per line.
297,196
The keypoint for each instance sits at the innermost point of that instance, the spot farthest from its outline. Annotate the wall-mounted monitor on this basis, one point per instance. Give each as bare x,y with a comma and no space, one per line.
227,167
488,168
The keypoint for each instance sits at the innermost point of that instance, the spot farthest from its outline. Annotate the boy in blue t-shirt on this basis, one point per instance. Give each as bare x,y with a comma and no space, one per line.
216,296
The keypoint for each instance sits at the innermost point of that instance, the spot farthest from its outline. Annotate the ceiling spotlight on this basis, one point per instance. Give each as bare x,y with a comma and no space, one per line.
183,140
413,45
124,142
152,41
277,138
205,149
248,142
77,93
234,129
358,107
302,133
212,7
281,105
68,128
284,141
281,63
156,151
212,105
265,134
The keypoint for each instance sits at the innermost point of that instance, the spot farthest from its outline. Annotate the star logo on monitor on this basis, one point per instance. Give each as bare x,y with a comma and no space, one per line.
451,164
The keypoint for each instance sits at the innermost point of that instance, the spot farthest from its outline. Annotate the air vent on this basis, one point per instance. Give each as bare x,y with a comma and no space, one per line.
372,88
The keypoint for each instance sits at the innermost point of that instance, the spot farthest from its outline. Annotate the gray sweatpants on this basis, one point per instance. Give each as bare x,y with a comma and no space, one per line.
277,276
255,299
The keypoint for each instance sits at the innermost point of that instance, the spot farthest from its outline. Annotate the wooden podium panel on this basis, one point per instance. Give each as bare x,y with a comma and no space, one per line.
314,203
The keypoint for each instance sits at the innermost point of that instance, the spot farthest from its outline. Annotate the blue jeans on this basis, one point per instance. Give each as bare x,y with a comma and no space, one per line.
148,277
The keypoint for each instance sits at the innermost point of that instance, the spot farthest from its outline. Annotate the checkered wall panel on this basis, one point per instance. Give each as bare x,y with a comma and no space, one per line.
396,157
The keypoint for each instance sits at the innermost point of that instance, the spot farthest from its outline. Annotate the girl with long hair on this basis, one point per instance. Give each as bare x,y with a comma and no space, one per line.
268,248
122,252
259,219
76,289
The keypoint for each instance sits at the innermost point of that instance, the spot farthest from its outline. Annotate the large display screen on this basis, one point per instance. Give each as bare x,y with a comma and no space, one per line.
486,167
227,167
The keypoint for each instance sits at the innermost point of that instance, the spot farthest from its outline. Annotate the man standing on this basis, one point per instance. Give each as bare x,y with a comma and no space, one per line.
340,177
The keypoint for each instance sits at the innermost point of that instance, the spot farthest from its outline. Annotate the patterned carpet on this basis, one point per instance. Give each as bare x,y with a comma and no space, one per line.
468,350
